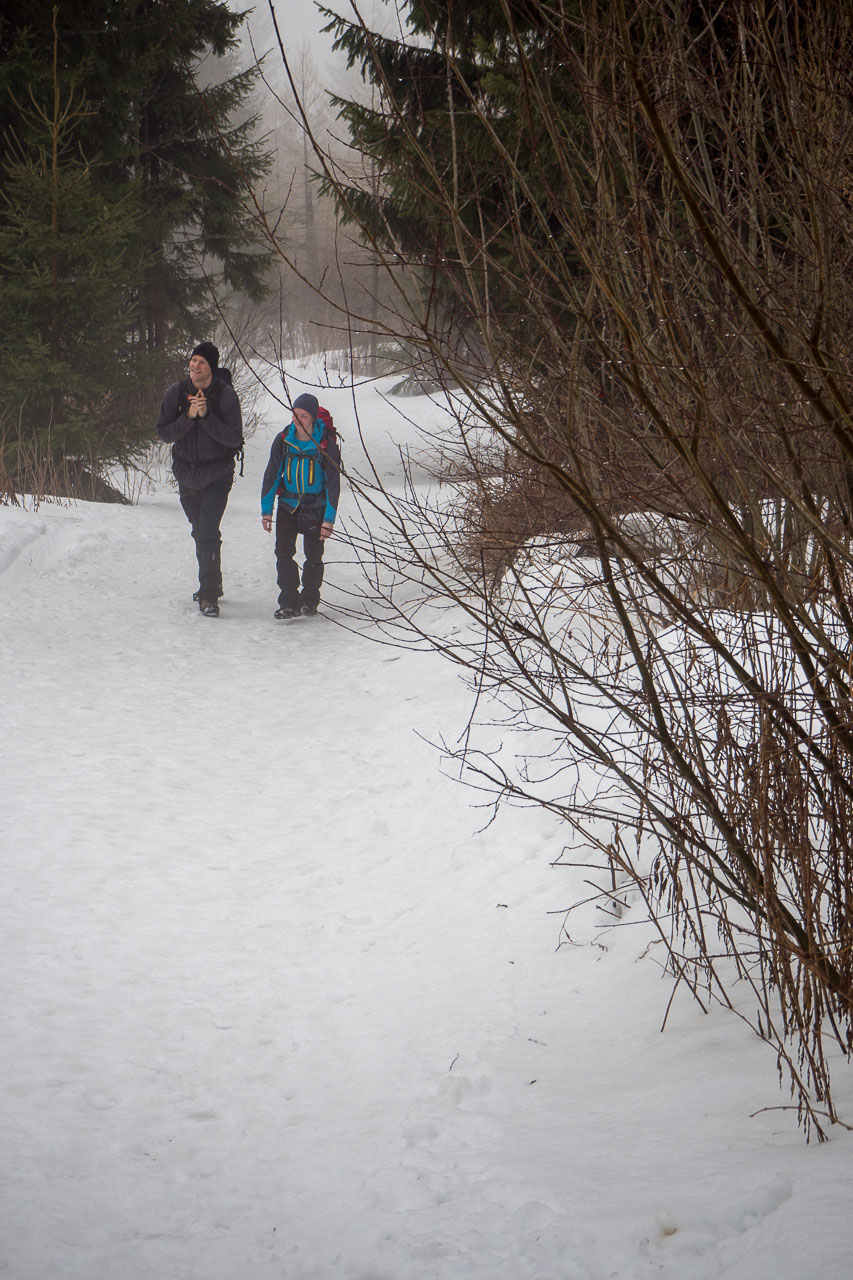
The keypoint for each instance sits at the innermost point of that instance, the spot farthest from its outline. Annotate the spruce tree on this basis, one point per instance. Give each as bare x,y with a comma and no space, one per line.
70,248
125,145
439,172
70,376
167,115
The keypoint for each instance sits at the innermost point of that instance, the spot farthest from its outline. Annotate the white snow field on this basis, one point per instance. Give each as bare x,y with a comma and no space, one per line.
279,1005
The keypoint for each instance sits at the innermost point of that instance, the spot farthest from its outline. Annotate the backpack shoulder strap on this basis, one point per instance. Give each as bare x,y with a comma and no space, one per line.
329,433
212,392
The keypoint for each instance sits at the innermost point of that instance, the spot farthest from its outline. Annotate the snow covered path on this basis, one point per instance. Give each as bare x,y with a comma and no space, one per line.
276,1008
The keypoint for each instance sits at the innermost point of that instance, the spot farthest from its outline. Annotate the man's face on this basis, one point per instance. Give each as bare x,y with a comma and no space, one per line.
303,419
201,374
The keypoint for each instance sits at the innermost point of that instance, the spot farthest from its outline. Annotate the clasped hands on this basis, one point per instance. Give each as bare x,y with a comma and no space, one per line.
197,405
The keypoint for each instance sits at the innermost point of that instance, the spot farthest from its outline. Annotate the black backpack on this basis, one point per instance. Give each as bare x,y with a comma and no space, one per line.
224,375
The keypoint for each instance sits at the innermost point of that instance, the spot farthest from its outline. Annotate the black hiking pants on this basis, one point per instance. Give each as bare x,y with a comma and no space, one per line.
204,508
288,525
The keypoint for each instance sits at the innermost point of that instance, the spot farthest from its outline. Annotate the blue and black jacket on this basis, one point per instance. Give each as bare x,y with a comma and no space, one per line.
303,472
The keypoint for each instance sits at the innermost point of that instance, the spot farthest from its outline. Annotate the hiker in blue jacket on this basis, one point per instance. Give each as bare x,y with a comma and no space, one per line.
304,472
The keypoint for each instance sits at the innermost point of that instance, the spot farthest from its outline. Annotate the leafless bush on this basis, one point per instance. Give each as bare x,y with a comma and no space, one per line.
34,473
647,363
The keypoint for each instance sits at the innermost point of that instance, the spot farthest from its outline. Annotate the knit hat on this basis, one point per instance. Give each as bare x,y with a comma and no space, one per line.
208,352
309,402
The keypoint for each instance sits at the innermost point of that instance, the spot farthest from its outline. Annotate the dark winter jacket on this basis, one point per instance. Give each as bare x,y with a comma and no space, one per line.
303,472
203,449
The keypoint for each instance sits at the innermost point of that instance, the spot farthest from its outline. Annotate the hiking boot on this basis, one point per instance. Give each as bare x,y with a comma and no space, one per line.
285,611
209,608
309,610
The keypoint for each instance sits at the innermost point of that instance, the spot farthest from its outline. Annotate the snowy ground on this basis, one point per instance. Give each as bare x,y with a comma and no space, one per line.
276,1007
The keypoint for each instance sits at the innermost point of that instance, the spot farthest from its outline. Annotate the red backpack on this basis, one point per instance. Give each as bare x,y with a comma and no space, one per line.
329,432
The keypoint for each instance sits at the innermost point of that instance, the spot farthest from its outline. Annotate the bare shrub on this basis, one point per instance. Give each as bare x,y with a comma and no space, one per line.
638,309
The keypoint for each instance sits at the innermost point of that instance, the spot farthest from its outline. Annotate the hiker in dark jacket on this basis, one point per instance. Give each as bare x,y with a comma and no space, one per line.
304,472
200,418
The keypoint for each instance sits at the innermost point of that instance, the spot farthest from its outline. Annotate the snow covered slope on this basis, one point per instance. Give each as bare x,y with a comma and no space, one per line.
277,1006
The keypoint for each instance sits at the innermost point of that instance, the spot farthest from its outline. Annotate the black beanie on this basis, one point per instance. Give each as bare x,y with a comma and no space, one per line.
309,402
208,352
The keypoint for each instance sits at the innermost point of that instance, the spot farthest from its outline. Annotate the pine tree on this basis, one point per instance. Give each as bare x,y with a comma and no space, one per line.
139,64
123,154
69,248
440,190
419,127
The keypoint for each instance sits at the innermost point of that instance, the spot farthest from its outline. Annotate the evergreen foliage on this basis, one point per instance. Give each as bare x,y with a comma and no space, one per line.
124,147
66,305
422,132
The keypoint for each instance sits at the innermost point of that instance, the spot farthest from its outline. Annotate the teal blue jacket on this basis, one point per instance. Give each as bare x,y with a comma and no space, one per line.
299,468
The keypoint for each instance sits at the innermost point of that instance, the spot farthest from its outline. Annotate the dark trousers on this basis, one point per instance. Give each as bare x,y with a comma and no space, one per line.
204,508
287,526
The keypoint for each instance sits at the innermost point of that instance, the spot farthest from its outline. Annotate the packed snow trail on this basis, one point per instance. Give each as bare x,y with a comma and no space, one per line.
276,1005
